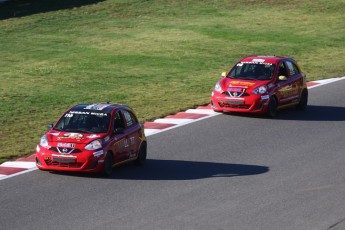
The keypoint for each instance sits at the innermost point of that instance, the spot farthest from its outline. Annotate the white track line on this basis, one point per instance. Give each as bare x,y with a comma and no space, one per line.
19,164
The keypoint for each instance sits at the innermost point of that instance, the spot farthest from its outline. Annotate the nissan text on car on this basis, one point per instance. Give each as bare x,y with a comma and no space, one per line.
261,84
92,138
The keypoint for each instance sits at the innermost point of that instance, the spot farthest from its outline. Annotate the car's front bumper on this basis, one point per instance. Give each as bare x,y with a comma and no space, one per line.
80,162
253,103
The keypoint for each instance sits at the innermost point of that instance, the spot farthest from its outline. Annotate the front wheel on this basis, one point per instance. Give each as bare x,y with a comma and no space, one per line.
272,107
303,101
141,156
108,165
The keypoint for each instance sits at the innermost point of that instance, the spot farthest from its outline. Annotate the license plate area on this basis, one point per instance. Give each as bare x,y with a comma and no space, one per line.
235,89
64,160
235,102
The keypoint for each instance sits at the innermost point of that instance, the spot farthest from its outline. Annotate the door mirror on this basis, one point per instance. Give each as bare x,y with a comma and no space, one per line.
223,74
50,126
282,78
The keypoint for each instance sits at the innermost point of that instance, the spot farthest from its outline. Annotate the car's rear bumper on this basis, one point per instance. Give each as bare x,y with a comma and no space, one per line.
248,104
81,162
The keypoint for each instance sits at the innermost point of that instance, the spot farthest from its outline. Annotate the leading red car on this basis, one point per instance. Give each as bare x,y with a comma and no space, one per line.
261,84
92,138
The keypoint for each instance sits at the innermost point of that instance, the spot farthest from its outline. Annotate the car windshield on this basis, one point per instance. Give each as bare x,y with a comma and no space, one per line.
252,71
81,121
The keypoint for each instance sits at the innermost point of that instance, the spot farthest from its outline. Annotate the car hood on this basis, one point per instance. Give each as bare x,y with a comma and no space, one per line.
73,137
227,83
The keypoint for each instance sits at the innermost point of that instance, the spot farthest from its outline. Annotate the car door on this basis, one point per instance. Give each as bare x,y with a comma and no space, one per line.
134,131
296,80
286,85
120,145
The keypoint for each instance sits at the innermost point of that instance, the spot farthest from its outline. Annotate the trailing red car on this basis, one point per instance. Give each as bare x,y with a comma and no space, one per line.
261,84
92,138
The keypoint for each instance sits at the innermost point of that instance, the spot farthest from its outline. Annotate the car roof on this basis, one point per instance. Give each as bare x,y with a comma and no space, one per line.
99,107
266,59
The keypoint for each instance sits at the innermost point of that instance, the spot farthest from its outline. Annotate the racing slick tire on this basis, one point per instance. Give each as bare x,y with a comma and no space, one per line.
108,165
303,101
272,107
141,156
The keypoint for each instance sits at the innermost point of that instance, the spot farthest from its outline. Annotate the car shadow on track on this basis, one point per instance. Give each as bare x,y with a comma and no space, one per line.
311,113
184,170
314,113
21,8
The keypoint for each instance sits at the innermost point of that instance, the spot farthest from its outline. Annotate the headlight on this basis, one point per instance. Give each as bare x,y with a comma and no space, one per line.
44,141
260,90
218,88
96,144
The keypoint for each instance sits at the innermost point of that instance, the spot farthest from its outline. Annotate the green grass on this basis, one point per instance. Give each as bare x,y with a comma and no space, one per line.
158,56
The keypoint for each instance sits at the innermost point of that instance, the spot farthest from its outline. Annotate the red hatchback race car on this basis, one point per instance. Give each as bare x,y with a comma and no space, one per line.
92,138
261,84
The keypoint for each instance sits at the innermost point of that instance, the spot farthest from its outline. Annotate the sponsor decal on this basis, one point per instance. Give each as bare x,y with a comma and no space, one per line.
270,85
96,106
93,136
64,156
65,145
265,97
241,83
238,90
55,134
258,60
98,153
76,136
79,112
70,113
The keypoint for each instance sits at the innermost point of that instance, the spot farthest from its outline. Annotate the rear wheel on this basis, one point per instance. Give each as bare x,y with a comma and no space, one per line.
141,156
303,101
272,107
108,165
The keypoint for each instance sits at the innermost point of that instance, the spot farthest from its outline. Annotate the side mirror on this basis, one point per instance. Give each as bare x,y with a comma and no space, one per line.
282,78
50,126
223,74
119,130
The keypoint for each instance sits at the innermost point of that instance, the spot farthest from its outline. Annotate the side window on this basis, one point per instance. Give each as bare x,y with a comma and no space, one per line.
118,121
292,68
282,70
130,118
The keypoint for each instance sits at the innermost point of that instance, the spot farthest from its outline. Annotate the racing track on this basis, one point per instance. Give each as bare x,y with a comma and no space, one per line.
224,172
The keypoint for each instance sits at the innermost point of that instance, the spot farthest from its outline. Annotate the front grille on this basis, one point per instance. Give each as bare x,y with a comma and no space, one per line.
64,165
228,94
234,106
69,150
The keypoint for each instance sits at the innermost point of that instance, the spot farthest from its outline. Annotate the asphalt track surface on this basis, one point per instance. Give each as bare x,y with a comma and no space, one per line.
224,172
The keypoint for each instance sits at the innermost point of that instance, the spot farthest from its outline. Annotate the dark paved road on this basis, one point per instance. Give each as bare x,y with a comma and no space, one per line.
225,172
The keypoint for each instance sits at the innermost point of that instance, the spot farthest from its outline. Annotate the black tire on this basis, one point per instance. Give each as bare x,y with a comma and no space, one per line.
272,107
108,165
303,101
141,156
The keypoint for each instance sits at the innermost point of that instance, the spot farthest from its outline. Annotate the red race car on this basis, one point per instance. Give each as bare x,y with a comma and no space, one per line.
261,84
92,138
